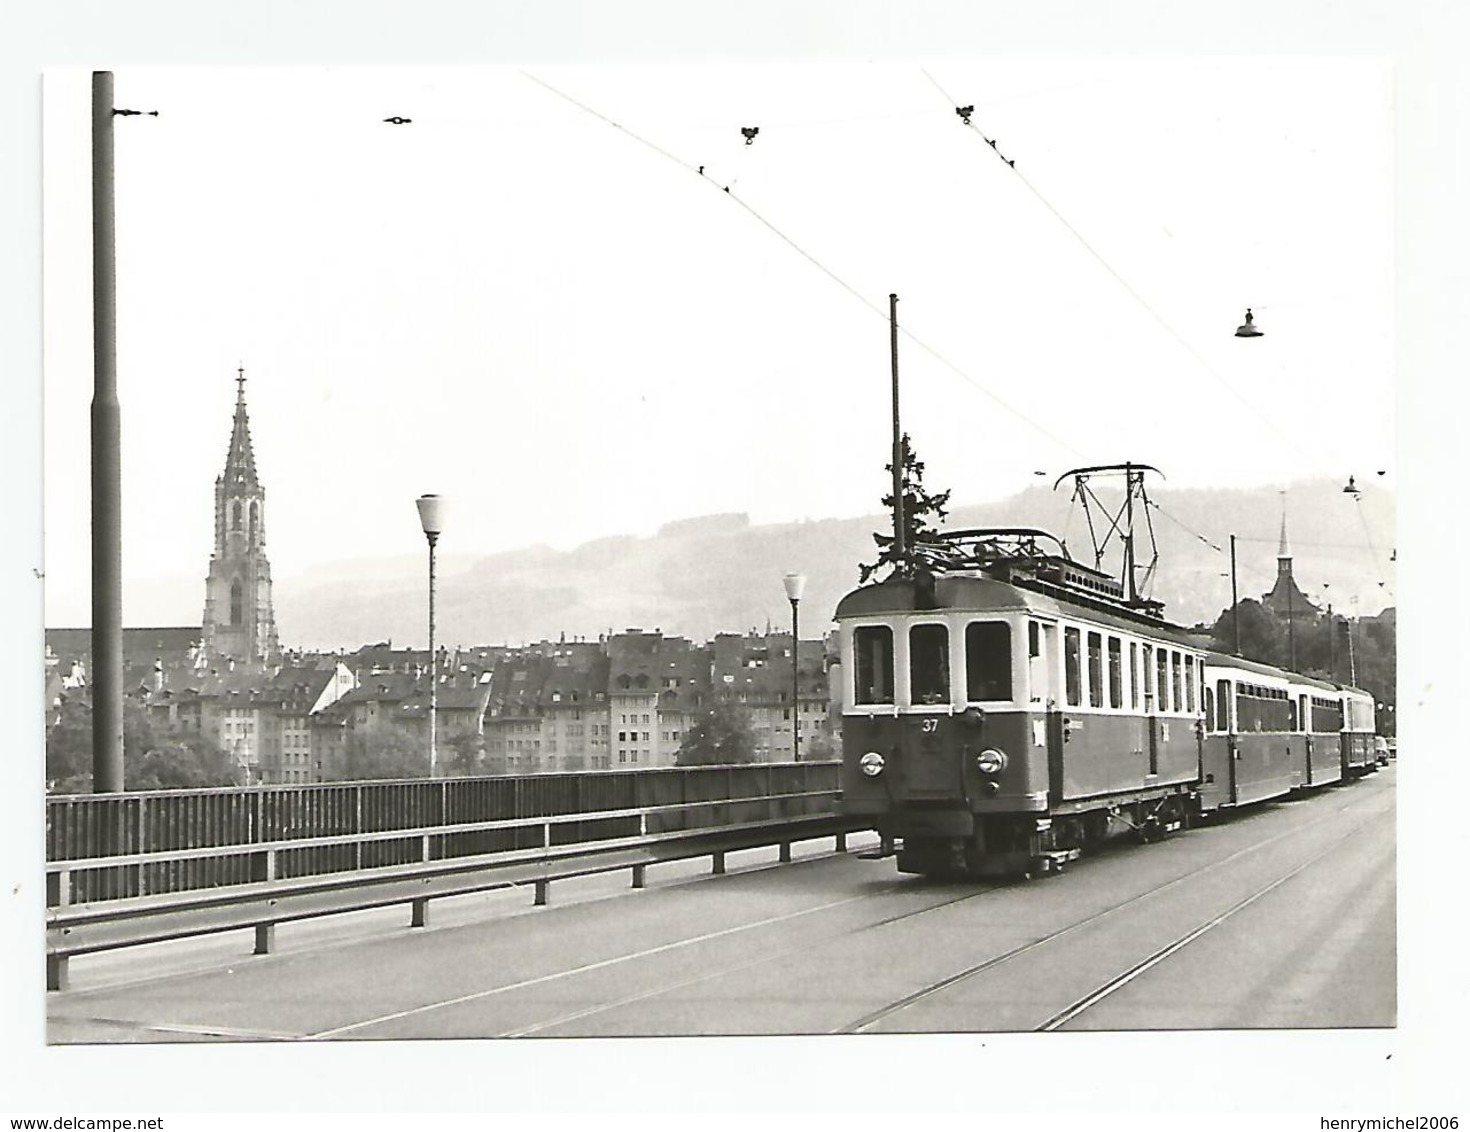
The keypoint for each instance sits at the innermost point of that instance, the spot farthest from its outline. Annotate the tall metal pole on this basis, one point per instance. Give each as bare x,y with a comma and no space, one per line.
1234,596
1352,660
795,584
900,549
433,668
1331,642
107,651
795,687
431,518
1128,536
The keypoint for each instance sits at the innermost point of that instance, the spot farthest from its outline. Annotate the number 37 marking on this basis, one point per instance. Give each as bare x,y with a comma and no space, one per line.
930,726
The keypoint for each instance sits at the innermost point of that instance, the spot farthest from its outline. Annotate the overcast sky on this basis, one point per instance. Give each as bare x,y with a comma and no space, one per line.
564,327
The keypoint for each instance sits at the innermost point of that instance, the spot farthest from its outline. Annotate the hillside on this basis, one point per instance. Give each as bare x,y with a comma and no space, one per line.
697,577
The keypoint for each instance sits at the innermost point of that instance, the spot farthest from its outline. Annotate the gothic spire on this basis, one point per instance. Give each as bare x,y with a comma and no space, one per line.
240,462
1284,552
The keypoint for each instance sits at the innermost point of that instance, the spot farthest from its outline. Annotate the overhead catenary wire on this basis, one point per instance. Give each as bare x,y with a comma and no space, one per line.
967,114
1010,162
876,308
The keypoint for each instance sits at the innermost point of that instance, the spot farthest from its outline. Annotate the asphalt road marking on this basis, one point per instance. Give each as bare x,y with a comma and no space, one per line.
601,964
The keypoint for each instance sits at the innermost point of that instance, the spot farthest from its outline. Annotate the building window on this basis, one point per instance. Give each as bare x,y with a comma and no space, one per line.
237,603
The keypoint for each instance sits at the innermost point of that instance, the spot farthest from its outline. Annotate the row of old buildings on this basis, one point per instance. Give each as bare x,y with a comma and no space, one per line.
625,701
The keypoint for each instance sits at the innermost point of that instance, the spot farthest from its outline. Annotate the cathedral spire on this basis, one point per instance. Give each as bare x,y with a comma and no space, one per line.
1284,552
240,460
239,622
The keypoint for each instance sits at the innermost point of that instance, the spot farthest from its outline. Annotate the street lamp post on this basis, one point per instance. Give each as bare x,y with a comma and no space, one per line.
1352,660
1331,633
1234,597
431,515
795,583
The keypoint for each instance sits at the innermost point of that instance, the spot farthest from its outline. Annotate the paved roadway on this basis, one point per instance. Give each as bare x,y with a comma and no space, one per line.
1283,916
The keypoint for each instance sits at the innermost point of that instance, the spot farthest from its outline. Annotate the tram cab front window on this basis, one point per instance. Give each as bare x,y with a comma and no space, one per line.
929,664
872,646
988,660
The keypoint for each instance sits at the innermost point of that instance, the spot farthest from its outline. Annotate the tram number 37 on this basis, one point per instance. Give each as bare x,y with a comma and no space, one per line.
929,726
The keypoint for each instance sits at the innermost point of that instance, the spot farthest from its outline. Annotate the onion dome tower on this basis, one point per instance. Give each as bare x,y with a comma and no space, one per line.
239,621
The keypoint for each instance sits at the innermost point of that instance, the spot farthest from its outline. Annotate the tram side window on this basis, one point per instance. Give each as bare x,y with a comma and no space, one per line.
873,646
1178,670
988,659
1222,695
1038,667
929,664
1115,672
1094,669
1072,656
1208,703
1189,684
1133,680
1163,685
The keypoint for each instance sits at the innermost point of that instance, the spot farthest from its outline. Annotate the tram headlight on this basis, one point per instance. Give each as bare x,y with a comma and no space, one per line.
990,761
871,764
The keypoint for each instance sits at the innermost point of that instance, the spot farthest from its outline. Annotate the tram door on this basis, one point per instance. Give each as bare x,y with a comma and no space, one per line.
1042,660
1154,684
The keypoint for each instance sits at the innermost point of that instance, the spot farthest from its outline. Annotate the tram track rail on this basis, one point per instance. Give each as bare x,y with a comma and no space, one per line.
867,1021
1059,1019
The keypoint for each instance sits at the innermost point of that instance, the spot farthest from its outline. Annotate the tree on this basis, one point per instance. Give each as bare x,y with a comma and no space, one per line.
722,735
820,747
385,750
919,506
179,761
1262,636
464,755
69,747
154,758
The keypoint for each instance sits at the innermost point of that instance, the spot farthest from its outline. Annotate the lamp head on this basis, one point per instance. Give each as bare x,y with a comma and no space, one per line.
795,584
431,514
1247,329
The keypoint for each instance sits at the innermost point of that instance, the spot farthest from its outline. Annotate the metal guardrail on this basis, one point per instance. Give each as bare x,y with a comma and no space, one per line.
125,869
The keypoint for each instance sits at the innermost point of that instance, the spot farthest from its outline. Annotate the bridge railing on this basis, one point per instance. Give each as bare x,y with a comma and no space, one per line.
102,847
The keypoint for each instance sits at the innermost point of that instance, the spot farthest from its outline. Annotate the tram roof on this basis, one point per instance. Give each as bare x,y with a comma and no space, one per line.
1225,660
978,592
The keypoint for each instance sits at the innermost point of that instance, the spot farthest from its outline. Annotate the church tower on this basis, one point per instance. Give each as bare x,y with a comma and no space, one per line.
239,622
1285,598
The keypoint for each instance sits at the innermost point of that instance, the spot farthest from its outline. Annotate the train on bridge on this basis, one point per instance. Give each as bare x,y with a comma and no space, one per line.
1006,708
